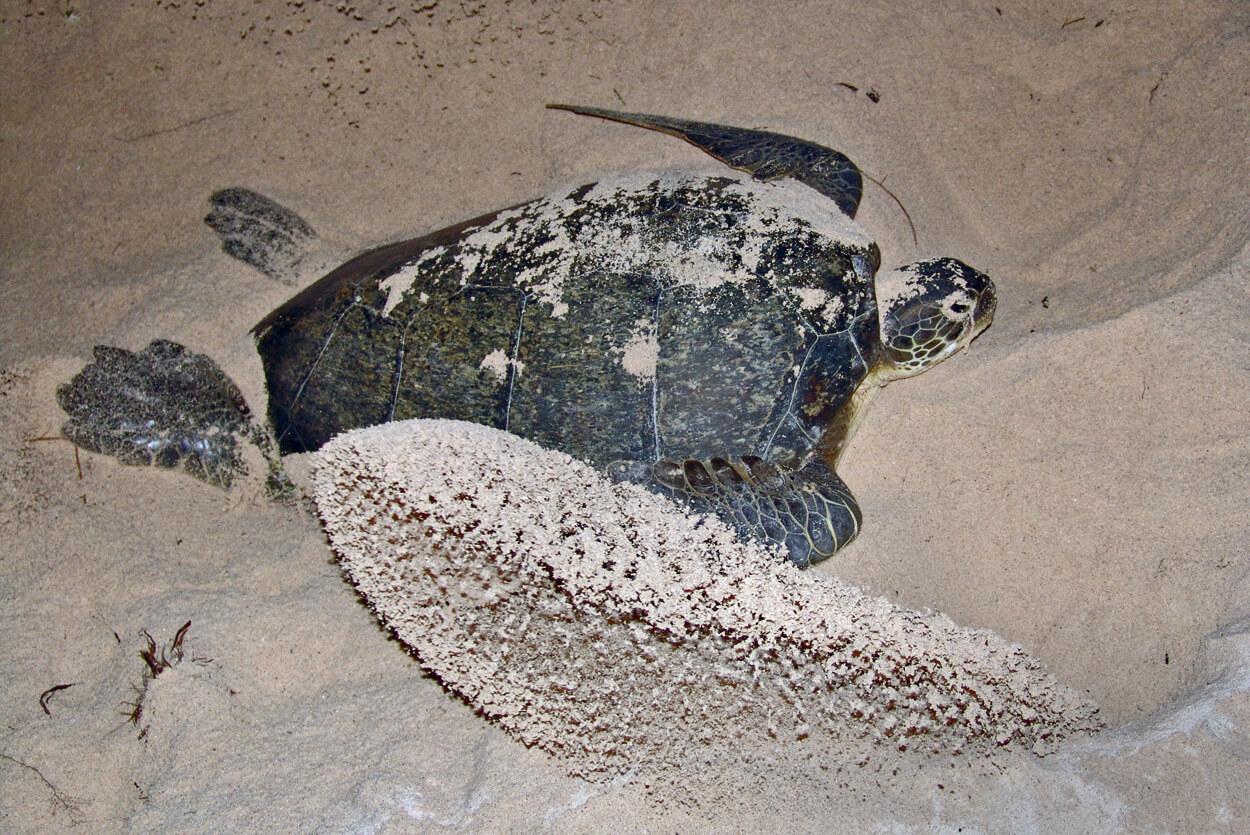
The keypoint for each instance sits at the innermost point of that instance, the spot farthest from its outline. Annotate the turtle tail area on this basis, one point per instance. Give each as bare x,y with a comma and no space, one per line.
260,232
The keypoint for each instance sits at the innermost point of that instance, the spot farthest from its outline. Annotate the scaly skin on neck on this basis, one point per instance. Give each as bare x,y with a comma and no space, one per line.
842,428
891,364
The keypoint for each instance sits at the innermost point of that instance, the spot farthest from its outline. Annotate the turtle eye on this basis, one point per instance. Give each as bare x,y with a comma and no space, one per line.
960,308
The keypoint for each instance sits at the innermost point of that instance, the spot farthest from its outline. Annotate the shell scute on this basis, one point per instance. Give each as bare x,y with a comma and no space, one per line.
633,319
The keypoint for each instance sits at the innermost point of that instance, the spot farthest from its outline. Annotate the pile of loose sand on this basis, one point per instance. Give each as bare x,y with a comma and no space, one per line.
601,623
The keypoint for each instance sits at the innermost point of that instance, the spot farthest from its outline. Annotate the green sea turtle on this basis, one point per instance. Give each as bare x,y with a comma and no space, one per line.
713,337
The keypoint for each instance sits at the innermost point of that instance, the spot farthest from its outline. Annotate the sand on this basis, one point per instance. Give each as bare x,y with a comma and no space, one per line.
1077,482
610,627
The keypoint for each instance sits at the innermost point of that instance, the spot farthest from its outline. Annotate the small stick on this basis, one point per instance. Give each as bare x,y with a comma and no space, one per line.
77,460
914,240
47,694
60,800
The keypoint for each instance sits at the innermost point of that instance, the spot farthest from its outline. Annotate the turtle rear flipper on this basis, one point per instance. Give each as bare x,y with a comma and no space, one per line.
259,231
163,406
764,154
810,512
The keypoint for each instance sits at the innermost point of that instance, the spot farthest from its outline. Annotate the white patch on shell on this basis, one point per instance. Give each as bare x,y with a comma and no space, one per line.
496,362
811,298
833,308
397,285
829,305
641,353
624,245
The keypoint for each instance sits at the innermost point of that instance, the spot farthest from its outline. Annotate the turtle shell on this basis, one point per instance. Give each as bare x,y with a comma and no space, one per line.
638,318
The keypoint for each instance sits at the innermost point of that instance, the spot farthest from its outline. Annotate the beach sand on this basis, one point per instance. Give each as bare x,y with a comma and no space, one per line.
1076,482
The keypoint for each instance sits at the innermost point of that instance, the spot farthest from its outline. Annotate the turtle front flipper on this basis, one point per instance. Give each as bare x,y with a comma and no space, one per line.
810,512
765,155
259,232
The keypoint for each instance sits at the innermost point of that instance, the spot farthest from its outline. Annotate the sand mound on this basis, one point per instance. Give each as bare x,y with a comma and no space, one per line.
600,623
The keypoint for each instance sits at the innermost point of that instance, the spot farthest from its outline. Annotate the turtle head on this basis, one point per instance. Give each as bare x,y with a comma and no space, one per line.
930,310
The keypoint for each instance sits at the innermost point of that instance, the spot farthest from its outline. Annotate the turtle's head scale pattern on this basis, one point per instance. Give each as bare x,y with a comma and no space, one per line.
931,310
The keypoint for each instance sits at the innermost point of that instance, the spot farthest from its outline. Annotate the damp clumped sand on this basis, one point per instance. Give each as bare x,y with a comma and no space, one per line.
602,624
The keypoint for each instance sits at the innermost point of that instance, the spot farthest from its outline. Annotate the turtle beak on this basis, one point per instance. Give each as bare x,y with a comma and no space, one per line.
983,313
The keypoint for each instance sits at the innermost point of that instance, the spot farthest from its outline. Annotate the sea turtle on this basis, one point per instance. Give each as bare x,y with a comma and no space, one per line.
713,337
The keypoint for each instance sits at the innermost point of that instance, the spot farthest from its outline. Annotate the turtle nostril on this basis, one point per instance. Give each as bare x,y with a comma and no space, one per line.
985,306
